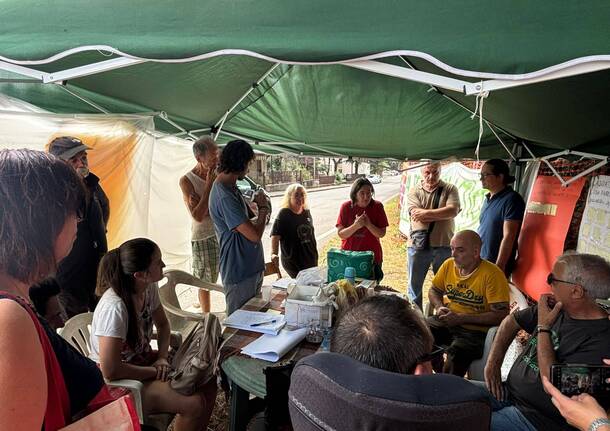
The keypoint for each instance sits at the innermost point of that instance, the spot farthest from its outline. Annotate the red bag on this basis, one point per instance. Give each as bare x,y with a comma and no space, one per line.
119,415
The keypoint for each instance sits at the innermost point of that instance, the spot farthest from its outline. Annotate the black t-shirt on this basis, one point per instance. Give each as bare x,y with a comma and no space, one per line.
297,240
574,341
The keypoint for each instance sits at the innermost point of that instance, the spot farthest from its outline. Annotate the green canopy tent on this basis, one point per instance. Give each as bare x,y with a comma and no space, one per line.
346,78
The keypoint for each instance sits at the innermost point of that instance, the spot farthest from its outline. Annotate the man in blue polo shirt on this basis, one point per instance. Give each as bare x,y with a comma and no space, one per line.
501,215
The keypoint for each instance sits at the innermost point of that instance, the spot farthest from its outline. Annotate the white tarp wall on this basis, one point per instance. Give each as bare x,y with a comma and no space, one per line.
139,172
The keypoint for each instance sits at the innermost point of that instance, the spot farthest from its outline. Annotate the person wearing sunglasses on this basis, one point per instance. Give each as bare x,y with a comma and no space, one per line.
566,326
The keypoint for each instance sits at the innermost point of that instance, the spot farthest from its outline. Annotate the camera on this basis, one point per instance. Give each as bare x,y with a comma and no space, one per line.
574,379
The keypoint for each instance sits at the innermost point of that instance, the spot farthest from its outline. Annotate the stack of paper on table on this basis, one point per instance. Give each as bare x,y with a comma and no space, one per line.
283,283
272,347
242,319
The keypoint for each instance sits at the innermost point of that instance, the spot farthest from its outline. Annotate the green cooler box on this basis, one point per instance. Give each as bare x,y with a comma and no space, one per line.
339,259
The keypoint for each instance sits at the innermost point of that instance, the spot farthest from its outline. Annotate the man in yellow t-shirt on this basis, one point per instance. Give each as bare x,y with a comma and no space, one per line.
477,298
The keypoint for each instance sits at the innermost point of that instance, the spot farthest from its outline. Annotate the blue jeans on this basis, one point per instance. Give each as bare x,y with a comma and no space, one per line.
419,263
504,415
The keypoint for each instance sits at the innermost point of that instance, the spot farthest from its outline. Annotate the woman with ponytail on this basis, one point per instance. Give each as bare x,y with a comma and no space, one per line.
122,329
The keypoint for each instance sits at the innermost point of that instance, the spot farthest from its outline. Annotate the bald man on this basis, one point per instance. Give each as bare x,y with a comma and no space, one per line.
476,294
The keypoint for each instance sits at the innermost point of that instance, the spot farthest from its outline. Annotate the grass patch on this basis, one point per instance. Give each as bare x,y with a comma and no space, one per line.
394,247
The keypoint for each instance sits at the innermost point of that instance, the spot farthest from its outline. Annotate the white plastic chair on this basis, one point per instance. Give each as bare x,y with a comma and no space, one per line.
178,290
77,332
476,371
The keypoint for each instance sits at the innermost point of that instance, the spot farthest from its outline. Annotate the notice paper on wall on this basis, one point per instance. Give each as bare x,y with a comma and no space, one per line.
594,234
272,347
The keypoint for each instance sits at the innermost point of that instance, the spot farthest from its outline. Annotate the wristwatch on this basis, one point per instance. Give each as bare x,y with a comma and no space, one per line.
542,328
599,422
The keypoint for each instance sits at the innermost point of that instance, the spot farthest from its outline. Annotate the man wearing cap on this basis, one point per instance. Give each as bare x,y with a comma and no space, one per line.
77,273
501,216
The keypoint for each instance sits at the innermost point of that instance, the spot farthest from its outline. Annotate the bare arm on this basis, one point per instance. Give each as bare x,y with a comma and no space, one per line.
435,296
504,337
544,348
22,371
163,331
429,215
114,368
510,229
197,205
346,232
490,318
253,231
378,232
275,249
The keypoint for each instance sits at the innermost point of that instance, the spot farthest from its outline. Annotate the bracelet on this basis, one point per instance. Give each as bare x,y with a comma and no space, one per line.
542,328
597,423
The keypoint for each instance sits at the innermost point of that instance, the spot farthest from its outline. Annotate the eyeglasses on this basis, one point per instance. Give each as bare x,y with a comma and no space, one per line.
550,279
435,353
484,175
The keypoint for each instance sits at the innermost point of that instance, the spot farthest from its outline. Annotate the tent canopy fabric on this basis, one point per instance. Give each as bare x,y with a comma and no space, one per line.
311,101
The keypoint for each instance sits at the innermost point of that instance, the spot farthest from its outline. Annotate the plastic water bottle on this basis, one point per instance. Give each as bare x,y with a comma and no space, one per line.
350,274
325,346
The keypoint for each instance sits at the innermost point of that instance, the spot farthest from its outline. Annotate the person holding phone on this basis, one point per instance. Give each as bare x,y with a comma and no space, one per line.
567,327
581,411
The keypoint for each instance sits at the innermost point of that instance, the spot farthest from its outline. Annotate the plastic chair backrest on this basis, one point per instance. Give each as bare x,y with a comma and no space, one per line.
76,332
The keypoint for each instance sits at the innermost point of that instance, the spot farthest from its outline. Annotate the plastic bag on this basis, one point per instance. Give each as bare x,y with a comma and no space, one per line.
314,276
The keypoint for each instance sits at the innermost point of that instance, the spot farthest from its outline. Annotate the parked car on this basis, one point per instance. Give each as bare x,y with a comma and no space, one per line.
247,186
374,179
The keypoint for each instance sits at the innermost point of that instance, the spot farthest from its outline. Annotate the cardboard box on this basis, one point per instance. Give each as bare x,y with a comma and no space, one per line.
300,309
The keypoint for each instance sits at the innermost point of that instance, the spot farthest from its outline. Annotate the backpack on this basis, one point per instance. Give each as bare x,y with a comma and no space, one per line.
195,361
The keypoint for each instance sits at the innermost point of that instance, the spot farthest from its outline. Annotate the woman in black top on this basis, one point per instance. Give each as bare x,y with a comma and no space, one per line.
293,232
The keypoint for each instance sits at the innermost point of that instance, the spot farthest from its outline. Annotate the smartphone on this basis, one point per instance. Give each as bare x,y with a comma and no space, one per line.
574,379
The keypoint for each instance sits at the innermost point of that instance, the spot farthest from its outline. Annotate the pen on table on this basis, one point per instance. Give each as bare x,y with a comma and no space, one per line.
263,323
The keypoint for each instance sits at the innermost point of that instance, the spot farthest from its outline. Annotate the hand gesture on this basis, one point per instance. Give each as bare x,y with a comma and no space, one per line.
493,380
260,198
579,411
360,220
163,369
451,318
418,214
548,310
211,174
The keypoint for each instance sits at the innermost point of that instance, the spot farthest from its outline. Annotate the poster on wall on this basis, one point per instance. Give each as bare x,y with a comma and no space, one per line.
547,219
594,234
471,194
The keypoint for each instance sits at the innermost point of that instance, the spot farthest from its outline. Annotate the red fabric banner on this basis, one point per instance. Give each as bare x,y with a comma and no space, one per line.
547,219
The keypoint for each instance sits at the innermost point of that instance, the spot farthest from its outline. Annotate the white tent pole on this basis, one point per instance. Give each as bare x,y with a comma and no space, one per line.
501,142
221,122
500,84
90,69
587,171
410,74
24,71
563,183
163,115
84,99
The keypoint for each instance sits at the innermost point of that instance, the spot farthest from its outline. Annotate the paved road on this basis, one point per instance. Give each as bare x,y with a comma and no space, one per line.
324,206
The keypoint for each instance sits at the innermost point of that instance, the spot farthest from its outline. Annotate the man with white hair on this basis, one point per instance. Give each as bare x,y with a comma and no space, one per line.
432,206
567,326
196,185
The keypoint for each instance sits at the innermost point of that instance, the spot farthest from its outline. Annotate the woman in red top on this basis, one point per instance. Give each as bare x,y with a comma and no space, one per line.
362,221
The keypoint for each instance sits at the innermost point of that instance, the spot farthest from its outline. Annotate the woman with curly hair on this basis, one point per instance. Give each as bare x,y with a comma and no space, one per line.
44,380
293,231
362,222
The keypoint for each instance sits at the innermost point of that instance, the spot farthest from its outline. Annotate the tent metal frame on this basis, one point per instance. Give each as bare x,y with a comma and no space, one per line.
574,67
603,160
